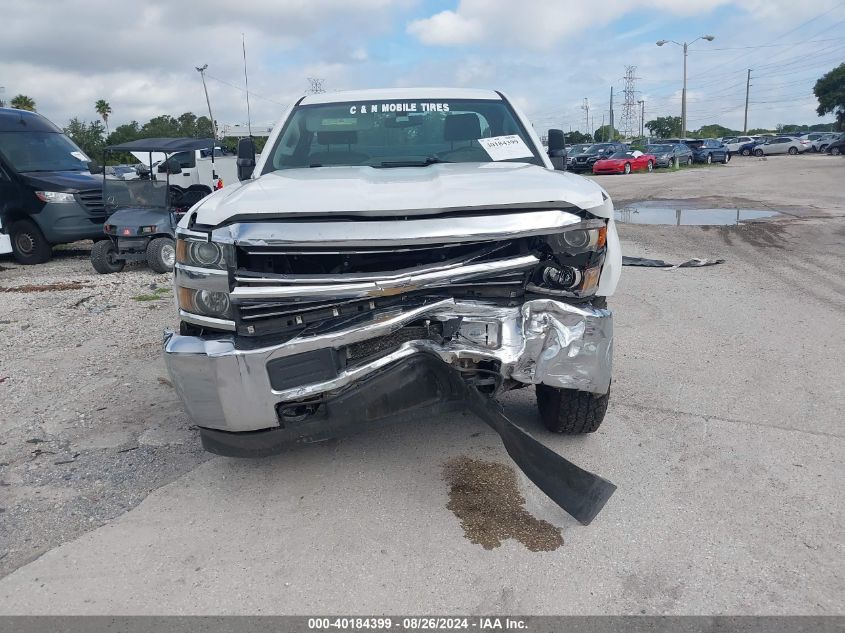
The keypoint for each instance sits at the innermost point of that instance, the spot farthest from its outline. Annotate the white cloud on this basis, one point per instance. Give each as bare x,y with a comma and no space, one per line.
535,24
447,28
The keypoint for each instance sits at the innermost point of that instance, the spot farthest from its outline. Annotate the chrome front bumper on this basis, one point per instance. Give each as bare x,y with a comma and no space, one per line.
542,341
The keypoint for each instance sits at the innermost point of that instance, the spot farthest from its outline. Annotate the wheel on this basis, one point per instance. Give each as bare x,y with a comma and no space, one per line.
727,158
709,159
746,152
793,151
161,254
29,246
813,149
689,161
650,166
627,168
822,148
571,411
758,152
104,258
835,151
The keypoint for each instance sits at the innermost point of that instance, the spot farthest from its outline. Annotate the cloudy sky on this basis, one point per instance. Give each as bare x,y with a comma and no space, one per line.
546,54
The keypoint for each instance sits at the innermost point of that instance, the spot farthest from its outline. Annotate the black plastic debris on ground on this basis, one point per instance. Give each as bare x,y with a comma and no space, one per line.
659,263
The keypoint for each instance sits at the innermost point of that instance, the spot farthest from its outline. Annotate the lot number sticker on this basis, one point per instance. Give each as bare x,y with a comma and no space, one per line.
505,147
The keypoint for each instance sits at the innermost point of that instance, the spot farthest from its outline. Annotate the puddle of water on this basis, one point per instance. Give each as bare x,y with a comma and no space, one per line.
660,213
486,498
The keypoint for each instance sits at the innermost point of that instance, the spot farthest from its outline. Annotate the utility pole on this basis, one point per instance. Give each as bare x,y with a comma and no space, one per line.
602,128
641,102
747,90
585,106
685,46
610,114
201,70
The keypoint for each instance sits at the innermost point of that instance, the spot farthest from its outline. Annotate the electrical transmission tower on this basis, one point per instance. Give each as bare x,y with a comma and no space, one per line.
630,120
316,85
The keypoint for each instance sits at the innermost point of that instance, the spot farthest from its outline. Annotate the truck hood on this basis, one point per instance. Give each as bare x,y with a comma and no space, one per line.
62,180
368,191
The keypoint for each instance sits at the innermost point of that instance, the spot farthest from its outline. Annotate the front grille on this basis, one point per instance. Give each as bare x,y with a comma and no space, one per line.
92,200
311,270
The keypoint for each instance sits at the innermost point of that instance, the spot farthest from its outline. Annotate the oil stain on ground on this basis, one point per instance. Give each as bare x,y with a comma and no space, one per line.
486,498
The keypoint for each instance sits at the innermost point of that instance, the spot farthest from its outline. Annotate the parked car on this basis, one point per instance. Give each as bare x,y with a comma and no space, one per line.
837,147
314,298
735,143
624,163
596,151
820,144
747,149
709,151
781,145
48,194
574,150
666,153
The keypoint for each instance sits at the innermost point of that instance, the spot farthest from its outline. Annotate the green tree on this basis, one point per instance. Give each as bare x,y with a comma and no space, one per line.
22,102
714,130
759,130
89,136
664,126
605,133
578,137
830,91
104,110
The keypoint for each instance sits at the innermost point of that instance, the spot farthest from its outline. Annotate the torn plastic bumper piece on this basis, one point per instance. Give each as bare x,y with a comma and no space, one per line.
409,389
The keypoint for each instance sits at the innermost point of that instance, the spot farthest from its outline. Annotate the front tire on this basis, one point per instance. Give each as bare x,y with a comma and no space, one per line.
746,152
650,166
727,158
709,159
627,169
104,258
571,411
835,151
758,153
29,246
689,161
793,151
161,254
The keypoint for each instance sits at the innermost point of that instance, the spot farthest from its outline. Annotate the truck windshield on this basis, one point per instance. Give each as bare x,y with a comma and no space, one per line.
384,134
42,151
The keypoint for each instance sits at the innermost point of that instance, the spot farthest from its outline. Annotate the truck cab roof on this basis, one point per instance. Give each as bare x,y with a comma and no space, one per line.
14,120
401,93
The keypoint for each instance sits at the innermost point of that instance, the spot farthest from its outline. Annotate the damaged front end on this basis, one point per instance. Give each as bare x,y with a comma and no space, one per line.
298,330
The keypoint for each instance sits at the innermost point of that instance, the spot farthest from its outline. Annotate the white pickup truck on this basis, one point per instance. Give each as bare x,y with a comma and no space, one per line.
391,250
197,166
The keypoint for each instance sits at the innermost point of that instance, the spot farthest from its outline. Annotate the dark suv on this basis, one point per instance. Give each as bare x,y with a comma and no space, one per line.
597,151
709,150
47,194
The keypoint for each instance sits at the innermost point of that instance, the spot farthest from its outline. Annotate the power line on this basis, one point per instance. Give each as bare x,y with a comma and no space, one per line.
316,85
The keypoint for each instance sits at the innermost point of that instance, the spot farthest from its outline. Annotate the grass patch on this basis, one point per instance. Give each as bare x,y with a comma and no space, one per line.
158,293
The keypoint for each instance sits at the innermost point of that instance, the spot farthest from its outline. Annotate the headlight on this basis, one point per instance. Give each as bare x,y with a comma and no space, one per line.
201,254
55,196
576,240
210,303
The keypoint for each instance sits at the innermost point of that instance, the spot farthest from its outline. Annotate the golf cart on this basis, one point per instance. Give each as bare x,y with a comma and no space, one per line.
142,214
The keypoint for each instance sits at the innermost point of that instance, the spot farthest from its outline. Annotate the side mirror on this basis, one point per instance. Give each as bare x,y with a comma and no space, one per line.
173,167
246,158
557,141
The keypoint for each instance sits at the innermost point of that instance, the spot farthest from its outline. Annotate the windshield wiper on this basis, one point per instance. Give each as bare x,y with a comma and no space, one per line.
428,160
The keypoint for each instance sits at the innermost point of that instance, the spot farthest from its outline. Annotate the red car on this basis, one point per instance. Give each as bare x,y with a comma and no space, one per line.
625,163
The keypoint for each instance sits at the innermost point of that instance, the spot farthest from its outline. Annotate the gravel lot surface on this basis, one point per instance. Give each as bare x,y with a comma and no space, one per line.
724,436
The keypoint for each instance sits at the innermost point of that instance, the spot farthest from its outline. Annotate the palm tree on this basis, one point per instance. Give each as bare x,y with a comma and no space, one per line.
104,110
22,102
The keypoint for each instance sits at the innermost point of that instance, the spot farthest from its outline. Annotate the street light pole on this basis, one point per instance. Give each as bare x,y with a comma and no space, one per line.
685,46
201,71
